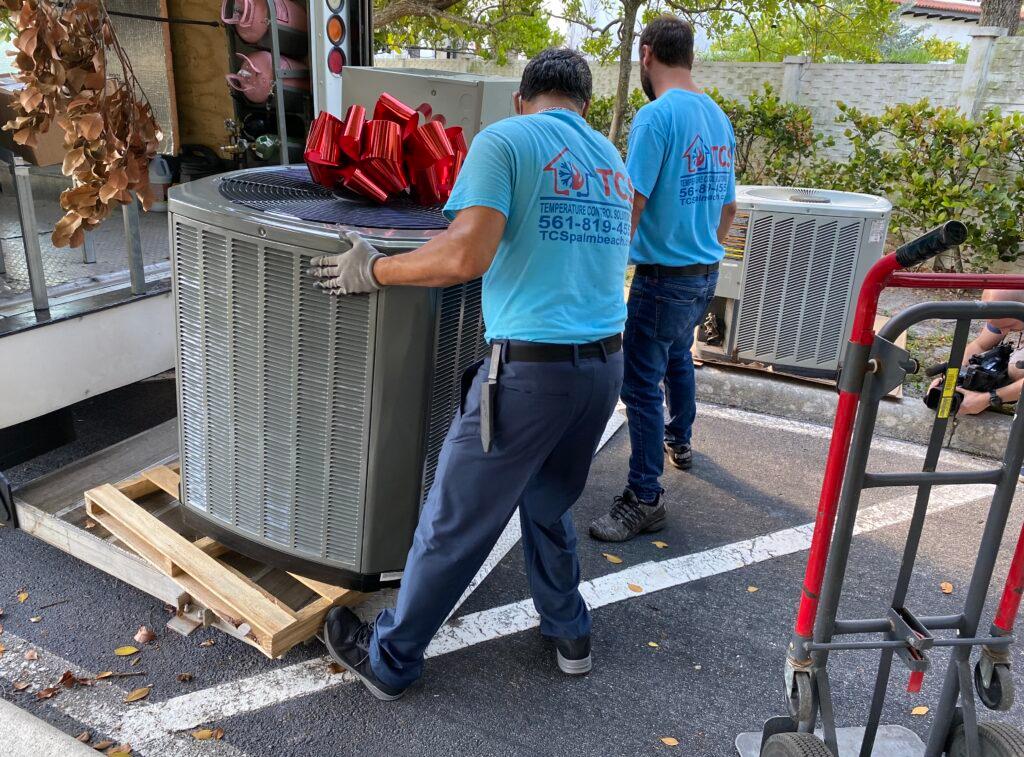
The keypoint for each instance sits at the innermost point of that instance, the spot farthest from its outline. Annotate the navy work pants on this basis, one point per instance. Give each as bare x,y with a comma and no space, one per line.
663,314
549,419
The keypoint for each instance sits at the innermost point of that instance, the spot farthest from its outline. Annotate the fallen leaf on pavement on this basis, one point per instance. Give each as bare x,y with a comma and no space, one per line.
334,668
218,733
669,741
69,680
946,587
46,693
135,661
22,596
922,710
20,685
84,737
125,651
89,524
208,643
659,544
1,612
104,674
1,627
634,587
2,648
101,745
144,635
652,643
120,749
752,589
184,677
613,559
31,654
36,619
203,734
137,694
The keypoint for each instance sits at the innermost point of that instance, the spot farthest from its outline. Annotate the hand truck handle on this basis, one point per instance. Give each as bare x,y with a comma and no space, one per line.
931,243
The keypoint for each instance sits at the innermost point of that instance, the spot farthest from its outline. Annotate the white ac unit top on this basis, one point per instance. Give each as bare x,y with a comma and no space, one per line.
811,201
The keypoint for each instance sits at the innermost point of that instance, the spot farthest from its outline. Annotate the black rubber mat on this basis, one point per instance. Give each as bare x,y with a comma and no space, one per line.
291,191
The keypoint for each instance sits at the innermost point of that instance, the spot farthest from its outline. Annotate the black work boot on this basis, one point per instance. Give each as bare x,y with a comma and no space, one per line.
572,655
679,455
629,517
348,640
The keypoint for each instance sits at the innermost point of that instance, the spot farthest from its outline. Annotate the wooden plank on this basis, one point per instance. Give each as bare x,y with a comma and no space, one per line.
310,619
231,590
210,547
164,478
63,487
327,591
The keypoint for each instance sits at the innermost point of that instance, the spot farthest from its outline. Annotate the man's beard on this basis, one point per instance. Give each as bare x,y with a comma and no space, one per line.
645,84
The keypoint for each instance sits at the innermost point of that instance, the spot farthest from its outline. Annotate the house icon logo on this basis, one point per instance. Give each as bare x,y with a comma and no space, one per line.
698,155
571,178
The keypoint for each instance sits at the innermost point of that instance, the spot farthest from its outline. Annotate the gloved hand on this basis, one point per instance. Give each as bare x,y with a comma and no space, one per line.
348,272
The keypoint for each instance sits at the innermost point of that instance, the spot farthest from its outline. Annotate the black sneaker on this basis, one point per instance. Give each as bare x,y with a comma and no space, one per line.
572,655
629,517
348,641
680,455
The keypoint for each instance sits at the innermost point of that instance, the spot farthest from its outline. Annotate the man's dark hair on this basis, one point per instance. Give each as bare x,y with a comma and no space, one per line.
670,40
557,71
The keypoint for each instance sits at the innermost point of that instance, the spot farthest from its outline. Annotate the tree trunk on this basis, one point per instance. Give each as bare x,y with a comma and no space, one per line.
629,8
1004,13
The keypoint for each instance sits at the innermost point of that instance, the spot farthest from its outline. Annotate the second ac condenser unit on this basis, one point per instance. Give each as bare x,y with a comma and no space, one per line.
794,262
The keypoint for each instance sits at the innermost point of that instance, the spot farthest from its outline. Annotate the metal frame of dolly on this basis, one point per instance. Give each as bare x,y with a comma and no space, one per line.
874,365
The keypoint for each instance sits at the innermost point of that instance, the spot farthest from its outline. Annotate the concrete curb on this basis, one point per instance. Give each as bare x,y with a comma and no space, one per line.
906,419
24,733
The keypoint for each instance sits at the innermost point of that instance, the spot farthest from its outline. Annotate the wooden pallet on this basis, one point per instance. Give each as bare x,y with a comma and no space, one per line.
134,531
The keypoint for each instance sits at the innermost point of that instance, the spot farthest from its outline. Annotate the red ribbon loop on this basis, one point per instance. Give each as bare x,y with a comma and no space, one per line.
388,155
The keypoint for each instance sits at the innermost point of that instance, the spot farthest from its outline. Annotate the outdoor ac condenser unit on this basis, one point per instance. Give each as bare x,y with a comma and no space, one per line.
794,262
310,424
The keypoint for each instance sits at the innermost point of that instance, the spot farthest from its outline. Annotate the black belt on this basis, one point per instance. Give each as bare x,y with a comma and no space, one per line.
542,352
668,271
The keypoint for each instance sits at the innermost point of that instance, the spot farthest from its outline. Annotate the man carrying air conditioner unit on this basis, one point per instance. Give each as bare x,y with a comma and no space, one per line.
542,211
680,159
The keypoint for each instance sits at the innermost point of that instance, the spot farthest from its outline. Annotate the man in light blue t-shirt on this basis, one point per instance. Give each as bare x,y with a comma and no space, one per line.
541,210
680,160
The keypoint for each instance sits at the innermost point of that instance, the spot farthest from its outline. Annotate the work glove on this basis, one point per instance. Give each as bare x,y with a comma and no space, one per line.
348,272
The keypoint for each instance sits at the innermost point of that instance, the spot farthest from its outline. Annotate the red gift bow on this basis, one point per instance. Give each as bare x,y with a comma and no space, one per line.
388,154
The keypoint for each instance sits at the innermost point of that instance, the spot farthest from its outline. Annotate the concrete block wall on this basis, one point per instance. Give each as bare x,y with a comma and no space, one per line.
1004,88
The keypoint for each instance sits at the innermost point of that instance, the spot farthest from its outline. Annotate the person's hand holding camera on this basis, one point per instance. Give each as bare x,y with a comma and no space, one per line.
973,402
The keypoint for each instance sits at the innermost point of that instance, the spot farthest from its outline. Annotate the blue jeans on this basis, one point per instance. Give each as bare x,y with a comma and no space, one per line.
548,421
663,314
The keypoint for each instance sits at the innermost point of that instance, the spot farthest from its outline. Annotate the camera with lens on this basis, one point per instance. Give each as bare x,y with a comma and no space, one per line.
984,372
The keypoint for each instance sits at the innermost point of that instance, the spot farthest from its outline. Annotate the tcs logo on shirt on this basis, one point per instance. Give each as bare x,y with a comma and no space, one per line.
571,178
700,156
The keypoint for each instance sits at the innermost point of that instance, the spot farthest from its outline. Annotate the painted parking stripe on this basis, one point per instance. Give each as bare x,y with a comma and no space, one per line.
267,689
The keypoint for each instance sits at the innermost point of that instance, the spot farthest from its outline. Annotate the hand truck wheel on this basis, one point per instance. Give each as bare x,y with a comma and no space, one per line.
800,702
999,693
795,745
997,740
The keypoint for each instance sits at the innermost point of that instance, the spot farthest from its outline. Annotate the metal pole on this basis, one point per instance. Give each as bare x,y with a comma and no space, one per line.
275,53
133,241
30,234
88,249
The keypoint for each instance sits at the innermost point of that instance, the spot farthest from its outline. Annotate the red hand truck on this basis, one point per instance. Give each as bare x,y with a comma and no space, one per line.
873,366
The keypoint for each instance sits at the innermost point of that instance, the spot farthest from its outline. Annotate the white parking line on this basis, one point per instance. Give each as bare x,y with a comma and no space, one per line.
267,689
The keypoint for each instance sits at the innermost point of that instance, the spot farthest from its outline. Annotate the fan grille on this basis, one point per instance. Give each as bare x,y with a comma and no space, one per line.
292,192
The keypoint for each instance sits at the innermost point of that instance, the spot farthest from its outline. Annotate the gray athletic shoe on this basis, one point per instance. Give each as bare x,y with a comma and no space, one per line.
629,517
680,456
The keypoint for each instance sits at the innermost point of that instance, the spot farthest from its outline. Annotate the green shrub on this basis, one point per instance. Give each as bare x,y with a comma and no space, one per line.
600,115
934,164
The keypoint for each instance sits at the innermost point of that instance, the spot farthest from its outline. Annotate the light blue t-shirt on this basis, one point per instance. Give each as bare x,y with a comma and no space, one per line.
680,158
559,270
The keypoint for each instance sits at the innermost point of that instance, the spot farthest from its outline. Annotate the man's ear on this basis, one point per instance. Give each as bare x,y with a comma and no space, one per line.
517,103
585,109
645,55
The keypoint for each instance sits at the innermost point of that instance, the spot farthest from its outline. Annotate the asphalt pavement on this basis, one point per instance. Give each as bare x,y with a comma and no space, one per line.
689,637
